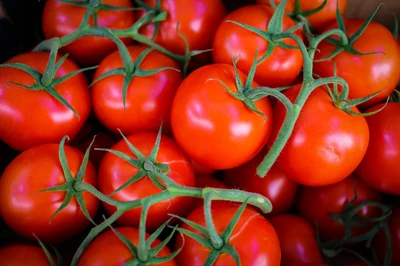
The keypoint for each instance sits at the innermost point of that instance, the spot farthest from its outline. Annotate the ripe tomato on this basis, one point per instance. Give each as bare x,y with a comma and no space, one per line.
107,249
380,71
203,181
322,18
22,255
276,186
316,203
224,132
148,99
30,118
327,144
253,249
60,19
379,167
281,68
115,171
198,20
28,211
379,243
297,238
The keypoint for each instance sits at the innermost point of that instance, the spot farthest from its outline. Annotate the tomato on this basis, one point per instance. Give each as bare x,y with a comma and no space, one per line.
380,71
316,203
202,170
148,99
276,186
379,243
322,18
203,181
216,121
60,19
326,145
379,167
198,21
253,249
22,255
297,238
29,118
114,172
281,68
28,211
107,249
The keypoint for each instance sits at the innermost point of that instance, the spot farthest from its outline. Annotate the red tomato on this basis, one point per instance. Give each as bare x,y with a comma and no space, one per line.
148,99
198,21
28,211
379,243
107,249
203,181
315,204
380,72
276,186
379,167
60,19
326,145
22,255
281,68
224,132
114,172
253,249
202,170
322,18
297,238
29,118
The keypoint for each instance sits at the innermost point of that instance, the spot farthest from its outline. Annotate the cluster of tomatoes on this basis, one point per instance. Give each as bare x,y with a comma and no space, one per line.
188,132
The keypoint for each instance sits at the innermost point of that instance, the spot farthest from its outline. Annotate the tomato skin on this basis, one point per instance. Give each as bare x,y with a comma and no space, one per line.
253,249
276,186
379,242
381,71
315,204
148,99
204,110
30,118
114,172
379,167
107,249
36,169
198,21
22,255
319,20
324,136
60,19
281,68
297,238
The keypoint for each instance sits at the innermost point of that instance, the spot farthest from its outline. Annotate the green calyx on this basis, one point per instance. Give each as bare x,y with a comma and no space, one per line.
144,254
47,80
147,166
159,15
94,6
351,220
71,183
348,47
131,70
217,243
49,255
